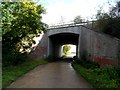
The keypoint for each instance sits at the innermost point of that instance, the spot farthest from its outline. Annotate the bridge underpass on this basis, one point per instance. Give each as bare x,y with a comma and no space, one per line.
56,42
100,48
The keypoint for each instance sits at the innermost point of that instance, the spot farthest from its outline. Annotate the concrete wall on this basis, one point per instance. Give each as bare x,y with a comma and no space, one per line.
75,30
46,47
54,47
41,49
101,48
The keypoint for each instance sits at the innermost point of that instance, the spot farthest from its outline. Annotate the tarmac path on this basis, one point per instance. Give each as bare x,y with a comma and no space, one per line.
53,75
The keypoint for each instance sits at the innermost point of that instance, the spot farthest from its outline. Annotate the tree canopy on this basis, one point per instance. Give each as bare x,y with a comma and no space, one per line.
20,21
66,49
109,23
78,19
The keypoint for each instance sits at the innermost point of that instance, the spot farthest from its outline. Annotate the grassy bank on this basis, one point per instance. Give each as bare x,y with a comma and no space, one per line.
10,74
99,77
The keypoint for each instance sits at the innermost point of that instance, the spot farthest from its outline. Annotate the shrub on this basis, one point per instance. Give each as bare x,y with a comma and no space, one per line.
100,77
76,60
13,57
50,59
85,63
108,77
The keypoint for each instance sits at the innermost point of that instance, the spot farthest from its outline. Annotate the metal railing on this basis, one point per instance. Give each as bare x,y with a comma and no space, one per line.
88,24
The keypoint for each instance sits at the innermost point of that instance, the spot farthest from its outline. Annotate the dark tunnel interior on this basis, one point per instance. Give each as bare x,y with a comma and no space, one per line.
57,40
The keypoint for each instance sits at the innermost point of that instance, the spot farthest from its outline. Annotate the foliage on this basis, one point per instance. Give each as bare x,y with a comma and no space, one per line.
13,57
109,23
78,19
89,64
66,49
85,61
118,54
50,59
62,20
20,21
108,77
100,77
11,73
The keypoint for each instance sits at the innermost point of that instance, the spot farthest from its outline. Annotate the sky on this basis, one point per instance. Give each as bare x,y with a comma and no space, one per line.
64,11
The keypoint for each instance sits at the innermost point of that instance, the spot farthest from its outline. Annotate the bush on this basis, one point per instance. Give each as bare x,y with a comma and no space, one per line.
108,77
50,59
76,60
20,58
85,63
100,77
90,64
13,57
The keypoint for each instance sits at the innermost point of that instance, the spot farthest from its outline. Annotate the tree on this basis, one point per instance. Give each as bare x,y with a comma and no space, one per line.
78,19
66,49
109,23
115,11
62,20
20,21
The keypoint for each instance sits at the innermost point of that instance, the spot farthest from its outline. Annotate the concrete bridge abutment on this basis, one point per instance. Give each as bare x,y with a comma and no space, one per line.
101,48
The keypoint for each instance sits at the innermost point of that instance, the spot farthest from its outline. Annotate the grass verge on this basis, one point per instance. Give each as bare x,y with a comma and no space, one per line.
10,74
100,77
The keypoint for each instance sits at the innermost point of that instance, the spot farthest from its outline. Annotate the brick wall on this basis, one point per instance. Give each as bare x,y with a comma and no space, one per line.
38,53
